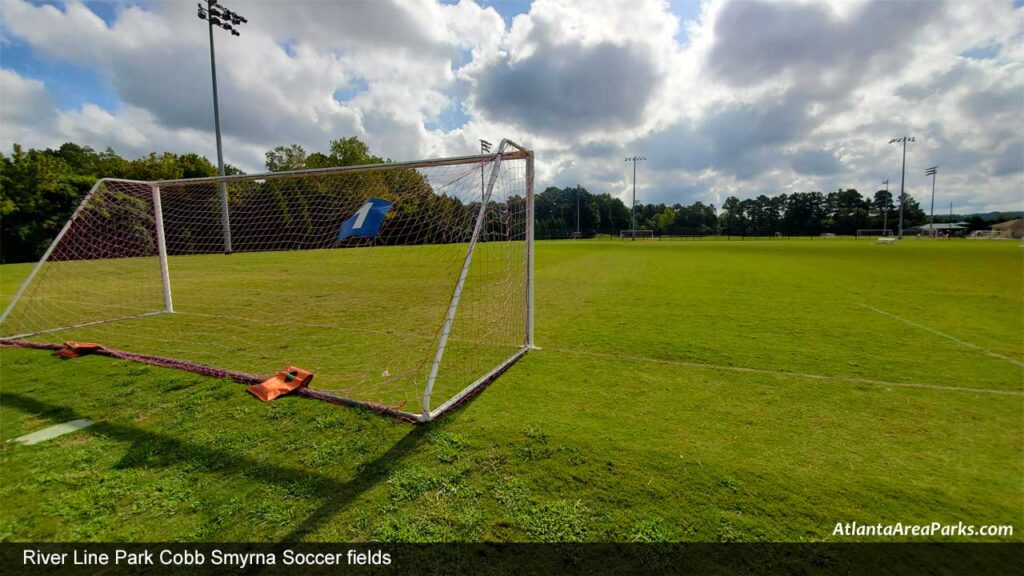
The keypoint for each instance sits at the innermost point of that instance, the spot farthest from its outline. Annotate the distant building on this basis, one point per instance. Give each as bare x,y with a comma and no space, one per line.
1010,229
940,229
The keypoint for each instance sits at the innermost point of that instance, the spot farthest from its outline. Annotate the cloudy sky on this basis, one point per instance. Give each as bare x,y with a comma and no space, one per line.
723,97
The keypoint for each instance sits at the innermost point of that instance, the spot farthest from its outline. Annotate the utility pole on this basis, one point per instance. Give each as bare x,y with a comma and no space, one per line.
218,15
885,210
903,175
931,172
632,224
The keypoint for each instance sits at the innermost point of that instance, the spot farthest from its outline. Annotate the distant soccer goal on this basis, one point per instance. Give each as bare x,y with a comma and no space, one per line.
870,233
403,287
989,235
636,234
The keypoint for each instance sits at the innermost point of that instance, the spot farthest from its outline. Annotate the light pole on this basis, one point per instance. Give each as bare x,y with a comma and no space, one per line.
885,210
931,172
217,15
632,224
578,236
903,174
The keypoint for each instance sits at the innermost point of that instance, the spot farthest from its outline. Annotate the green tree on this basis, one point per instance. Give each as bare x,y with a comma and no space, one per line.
913,215
283,158
664,220
351,151
193,165
38,192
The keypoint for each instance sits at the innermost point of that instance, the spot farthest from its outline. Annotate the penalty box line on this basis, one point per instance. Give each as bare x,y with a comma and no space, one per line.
944,335
820,377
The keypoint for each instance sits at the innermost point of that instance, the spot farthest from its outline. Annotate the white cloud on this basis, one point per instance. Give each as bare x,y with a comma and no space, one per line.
26,110
758,97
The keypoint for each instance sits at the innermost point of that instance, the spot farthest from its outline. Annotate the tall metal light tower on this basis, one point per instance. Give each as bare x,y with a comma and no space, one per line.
578,235
931,172
885,211
632,224
217,15
903,175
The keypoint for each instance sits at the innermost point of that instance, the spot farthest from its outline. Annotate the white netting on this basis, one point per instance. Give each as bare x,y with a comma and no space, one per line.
363,314
636,233
873,232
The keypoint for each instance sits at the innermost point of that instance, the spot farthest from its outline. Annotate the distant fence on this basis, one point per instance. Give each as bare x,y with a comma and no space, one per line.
749,237
729,237
701,237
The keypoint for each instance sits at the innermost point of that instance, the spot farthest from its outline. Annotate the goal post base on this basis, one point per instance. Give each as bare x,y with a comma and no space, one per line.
474,388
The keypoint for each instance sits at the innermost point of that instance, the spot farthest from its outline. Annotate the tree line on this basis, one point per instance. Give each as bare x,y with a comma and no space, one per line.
840,212
39,189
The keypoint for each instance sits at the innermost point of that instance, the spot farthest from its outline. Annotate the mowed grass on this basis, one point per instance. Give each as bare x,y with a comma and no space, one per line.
714,391
365,321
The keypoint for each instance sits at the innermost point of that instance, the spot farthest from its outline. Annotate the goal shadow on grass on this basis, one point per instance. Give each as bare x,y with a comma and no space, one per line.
154,450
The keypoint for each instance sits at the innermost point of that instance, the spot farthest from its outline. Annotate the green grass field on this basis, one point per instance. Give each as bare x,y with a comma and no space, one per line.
712,391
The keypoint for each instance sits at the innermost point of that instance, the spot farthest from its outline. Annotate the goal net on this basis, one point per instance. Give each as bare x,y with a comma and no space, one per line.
642,234
989,235
873,233
404,287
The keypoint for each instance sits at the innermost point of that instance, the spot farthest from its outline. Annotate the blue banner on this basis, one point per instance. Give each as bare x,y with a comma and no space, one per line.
366,221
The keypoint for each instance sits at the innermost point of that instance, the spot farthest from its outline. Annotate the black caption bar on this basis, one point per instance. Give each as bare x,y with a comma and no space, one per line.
484,559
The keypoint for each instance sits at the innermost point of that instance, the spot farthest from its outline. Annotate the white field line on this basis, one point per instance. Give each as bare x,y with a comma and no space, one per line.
821,377
944,335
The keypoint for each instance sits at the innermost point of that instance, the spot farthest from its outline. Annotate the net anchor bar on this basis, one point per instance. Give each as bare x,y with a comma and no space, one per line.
82,325
475,386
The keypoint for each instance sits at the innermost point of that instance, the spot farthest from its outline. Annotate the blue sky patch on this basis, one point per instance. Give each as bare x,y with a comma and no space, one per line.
70,85
356,87
983,53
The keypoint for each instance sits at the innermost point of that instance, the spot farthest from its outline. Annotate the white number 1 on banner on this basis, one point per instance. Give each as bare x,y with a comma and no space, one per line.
361,215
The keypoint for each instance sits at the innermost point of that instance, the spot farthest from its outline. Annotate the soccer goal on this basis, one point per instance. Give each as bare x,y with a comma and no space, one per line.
403,287
989,235
869,233
633,234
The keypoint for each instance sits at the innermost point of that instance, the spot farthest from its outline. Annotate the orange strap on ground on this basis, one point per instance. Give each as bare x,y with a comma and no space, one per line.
285,381
73,349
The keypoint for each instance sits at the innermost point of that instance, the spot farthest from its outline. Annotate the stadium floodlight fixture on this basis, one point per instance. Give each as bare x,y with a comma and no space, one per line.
216,14
932,172
903,175
632,223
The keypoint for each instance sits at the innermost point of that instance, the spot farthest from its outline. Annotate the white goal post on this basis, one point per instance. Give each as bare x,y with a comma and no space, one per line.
403,287
873,233
632,234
